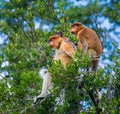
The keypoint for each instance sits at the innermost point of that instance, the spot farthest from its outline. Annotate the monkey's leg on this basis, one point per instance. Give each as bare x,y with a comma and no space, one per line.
92,54
95,65
46,85
94,59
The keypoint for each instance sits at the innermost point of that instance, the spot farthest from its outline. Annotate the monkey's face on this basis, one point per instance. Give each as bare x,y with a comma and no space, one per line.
74,30
76,27
43,72
54,43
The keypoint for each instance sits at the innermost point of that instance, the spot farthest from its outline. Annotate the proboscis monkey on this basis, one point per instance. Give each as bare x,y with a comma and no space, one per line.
65,50
61,35
88,42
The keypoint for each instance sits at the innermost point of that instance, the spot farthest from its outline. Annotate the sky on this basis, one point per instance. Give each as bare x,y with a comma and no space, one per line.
1,40
105,24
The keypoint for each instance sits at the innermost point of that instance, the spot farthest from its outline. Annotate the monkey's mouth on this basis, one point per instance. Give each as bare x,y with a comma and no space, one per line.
51,46
72,32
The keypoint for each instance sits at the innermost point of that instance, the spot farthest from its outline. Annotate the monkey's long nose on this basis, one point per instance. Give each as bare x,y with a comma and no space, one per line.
50,44
71,31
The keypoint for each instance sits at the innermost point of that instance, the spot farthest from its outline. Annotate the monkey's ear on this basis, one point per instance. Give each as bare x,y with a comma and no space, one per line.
76,24
53,37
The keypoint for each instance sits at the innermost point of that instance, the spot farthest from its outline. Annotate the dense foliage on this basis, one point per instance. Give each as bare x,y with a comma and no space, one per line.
26,26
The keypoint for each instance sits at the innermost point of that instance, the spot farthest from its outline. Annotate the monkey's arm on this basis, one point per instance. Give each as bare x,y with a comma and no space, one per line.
84,45
69,49
80,46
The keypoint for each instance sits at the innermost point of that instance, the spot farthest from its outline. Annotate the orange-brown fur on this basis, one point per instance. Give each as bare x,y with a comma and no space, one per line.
64,49
88,40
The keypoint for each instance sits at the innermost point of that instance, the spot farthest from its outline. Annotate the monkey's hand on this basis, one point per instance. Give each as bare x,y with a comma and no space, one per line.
83,45
39,98
36,99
